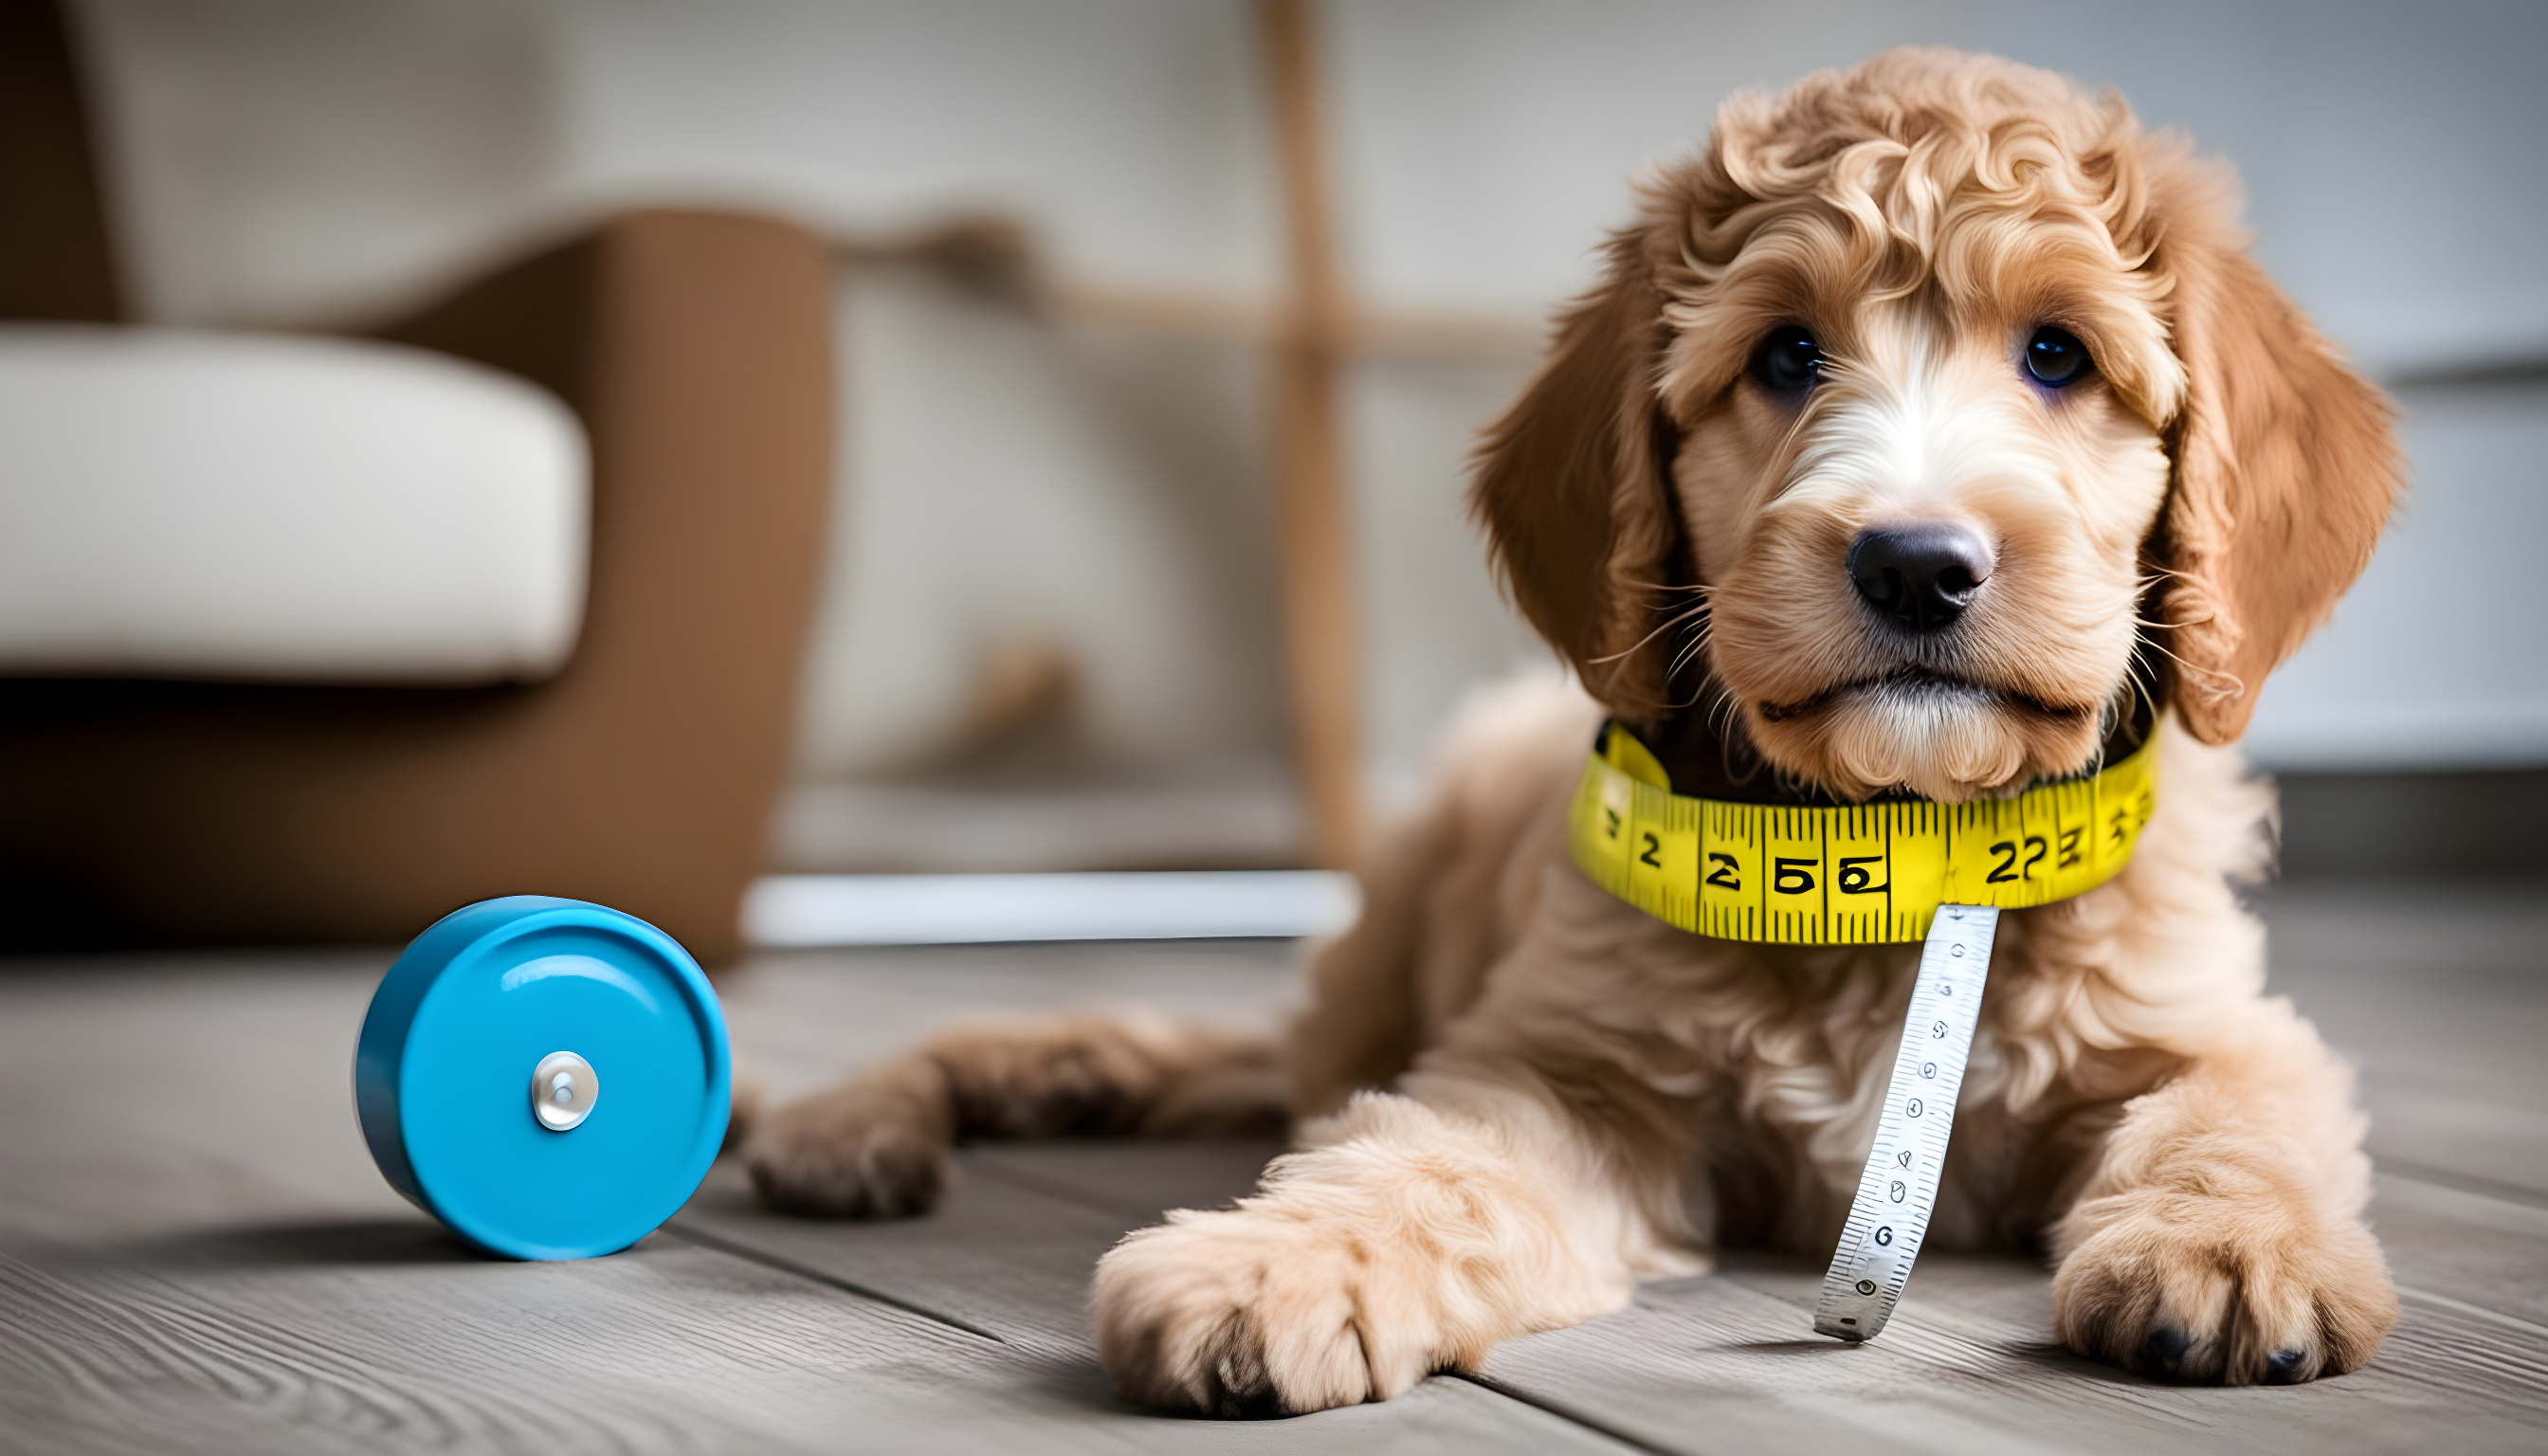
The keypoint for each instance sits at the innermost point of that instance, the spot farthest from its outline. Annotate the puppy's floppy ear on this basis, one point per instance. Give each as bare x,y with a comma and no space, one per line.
2287,464
1571,491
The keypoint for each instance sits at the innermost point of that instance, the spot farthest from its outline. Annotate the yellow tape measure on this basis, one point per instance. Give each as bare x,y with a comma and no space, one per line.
1857,876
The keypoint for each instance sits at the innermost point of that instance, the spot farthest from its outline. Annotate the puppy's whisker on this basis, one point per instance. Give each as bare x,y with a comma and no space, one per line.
1721,719
1701,633
2145,689
1689,650
2208,675
1664,626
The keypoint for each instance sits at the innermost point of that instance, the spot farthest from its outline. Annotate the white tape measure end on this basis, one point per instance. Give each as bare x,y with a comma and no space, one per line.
1895,1194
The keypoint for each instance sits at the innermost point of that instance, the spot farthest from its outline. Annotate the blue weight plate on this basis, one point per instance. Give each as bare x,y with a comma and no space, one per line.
443,1076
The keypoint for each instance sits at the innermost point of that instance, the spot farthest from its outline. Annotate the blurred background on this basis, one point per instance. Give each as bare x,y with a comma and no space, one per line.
1158,331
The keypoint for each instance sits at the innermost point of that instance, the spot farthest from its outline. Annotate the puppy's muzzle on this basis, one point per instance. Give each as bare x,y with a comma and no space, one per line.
1920,577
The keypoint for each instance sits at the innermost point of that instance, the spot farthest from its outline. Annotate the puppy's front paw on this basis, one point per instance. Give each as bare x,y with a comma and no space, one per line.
875,1148
1252,1311
2219,1291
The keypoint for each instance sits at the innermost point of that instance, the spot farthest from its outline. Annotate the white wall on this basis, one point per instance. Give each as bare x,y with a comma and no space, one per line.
288,159
1006,481
2389,149
299,158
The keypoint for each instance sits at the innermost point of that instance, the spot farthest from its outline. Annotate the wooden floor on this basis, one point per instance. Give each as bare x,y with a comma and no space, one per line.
196,1253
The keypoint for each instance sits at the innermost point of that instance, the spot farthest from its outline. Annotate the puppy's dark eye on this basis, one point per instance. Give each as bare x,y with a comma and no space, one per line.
1786,360
2056,358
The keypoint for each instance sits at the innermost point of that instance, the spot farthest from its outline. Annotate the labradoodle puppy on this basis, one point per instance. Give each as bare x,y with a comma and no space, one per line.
1931,433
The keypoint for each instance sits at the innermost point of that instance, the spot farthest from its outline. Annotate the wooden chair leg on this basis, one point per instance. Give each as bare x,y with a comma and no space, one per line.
1312,527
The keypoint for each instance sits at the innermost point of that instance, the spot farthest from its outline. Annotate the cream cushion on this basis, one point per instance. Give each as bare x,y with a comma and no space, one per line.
283,509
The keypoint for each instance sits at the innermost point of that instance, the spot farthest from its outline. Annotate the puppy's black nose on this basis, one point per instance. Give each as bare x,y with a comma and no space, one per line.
1921,576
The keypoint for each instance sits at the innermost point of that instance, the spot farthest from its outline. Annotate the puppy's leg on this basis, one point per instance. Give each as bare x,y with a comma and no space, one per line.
1407,1237
876,1147
743,1107
2220,1237
1446,893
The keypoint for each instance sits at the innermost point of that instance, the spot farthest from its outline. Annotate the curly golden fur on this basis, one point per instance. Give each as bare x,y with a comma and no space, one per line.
1519,1095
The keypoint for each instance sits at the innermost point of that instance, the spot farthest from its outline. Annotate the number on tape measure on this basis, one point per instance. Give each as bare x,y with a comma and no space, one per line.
1890,1213
1844,875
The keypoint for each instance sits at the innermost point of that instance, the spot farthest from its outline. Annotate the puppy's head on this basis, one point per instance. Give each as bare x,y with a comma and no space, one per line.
1900,404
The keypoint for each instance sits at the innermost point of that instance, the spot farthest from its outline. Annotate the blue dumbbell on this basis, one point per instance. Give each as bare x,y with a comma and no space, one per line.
548,1077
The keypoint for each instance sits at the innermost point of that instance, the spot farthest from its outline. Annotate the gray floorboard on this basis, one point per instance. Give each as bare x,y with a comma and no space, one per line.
396,1338
177,1094
196,1253
2441,997
1137,1181
2469,1248
1010,1260
1729,1362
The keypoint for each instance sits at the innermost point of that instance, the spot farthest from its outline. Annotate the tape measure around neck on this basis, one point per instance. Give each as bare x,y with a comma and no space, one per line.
1849,876
1890,1215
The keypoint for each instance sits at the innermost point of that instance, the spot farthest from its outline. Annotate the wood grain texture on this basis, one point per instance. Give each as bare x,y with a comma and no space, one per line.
1141,1181
995,1256
163,1094
2451,1245
196,1254
412,1342
396,1340
1011,1248
2442,997
1729,1362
